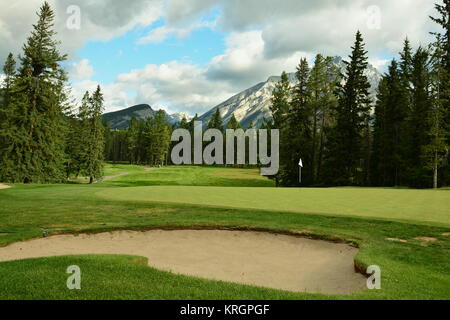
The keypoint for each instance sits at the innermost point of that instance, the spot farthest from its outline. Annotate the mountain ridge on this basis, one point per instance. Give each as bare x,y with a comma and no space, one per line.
253,105
248,106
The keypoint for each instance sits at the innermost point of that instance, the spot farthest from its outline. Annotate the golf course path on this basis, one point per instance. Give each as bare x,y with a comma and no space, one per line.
4,186
255,258
108,178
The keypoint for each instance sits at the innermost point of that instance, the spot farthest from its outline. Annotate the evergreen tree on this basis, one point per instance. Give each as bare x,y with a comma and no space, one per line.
233,123
322,85
418,126
37,107
443,100
9,71
390,116
184,124
346,152
6,131
296,134
132,141
281,99
157,139
216,121
435,153
92,135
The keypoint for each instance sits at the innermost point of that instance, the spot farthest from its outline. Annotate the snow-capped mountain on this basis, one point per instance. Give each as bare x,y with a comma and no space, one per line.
178,116
253,104
121,119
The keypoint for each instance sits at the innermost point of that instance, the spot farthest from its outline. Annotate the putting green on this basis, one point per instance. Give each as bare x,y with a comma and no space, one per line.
425,206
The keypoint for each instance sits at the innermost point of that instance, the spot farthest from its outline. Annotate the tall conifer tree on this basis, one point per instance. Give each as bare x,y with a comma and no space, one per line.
345,154
38,105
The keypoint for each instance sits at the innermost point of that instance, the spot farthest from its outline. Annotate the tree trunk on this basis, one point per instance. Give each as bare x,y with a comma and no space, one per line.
91,180
435,177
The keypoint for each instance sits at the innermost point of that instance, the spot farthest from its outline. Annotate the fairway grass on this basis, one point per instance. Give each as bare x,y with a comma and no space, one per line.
420,206
389,226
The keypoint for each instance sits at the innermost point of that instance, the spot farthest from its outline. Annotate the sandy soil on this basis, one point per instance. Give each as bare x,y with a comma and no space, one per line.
4,186
262,259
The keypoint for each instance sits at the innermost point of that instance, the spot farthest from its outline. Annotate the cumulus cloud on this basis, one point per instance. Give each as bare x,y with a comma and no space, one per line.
264,37
100,20
162,33
183,85
82,70
244,62
325,26
180,86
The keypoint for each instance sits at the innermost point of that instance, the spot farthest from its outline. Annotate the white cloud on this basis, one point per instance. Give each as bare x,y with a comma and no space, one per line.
180,86
183,85
82,70
380,64
325,26
264,37
244,61
162,33
101,20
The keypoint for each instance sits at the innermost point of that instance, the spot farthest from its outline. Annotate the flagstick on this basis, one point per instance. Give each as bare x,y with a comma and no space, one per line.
300,177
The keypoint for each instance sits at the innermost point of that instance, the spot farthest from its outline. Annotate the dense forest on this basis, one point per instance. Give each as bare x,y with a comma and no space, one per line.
329,119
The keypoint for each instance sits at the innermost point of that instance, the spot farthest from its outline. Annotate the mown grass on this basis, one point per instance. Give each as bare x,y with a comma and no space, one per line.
414,269
428,206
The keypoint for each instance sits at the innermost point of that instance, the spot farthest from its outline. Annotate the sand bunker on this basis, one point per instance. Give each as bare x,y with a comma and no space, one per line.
4,186
256,258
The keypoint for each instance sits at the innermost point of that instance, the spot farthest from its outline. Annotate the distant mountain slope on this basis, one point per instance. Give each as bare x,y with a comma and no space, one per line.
121,119
253,104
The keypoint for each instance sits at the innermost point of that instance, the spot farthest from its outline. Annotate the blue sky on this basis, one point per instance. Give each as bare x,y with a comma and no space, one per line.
125,53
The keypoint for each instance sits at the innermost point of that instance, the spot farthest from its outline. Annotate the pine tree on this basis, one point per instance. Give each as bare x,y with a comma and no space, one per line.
38,105
233,123
417,125
280,107
435,153
390,116
443,44
322,84
379,152
157,139
184,124
406,88
91,136
280,101
132,141
95,164
6,127
296,134
9,71
346,147
216,121
73,146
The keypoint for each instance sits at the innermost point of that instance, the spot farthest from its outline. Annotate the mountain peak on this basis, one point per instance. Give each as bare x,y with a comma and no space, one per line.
253,105
121,119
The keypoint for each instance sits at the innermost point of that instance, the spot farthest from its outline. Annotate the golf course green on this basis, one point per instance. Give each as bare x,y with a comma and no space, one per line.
405,232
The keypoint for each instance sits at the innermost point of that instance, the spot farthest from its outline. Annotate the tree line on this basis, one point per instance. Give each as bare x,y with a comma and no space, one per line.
145,142
327,119
42,138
